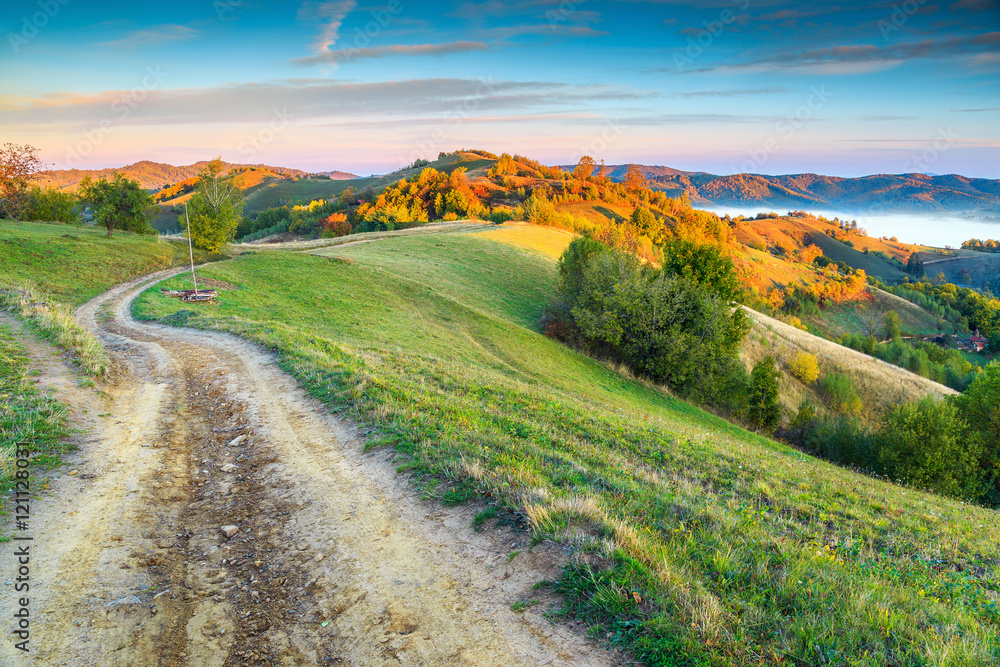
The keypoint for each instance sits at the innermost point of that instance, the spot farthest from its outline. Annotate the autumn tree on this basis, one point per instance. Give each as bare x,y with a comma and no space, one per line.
805,367
585,168
19,165
120,203
215,209
634,180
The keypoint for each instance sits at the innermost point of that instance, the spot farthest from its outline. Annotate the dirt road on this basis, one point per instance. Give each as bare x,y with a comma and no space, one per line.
332,561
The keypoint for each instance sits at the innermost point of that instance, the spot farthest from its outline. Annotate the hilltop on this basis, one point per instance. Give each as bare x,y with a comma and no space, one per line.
158,175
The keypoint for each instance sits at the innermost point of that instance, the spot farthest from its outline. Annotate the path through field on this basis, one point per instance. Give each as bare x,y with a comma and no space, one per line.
333,560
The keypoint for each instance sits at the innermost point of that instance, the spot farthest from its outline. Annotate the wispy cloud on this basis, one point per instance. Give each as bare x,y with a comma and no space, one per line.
347,55
863,58
774,90
153,35
307,99
977,110
332,15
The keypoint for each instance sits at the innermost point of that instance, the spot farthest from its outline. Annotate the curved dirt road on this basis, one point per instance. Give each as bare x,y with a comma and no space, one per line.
333,562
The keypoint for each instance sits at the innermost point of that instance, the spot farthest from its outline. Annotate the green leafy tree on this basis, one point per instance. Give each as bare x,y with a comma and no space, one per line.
924,444
644,222
994,342
216,208
572,264
892,326
703,264
50,204
764,411
915,266
19,165
979,406
118,204
664,327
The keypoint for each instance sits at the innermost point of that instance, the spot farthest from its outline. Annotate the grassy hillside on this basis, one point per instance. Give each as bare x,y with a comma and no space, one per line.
696,543
74,264
880,385
845,318
25,414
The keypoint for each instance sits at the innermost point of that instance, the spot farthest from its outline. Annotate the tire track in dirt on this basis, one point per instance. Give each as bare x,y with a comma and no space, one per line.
334,561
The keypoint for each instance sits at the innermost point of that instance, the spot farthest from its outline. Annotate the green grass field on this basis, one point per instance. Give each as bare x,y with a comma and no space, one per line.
25,415
871,265
74,264
697,543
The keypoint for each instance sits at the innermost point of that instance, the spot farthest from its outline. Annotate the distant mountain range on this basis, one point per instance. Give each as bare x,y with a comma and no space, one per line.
880,193
156,175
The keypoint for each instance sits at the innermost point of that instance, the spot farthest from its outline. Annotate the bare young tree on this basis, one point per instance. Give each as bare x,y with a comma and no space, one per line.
872,318
19,165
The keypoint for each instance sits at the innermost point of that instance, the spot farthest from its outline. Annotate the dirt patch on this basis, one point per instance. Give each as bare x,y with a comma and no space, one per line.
328,557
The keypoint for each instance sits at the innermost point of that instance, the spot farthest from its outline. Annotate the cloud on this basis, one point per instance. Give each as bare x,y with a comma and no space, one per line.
976,110
153,35
864,58
332,14
732,93
351,54
882,118
308,99
974,5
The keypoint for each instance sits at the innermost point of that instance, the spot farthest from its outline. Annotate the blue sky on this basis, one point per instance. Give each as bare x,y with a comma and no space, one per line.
845,88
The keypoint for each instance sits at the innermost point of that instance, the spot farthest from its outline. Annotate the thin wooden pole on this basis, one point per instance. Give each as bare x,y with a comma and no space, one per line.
187,219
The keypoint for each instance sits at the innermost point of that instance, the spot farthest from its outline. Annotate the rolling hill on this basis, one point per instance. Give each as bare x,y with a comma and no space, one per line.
157,175
690,537
883,193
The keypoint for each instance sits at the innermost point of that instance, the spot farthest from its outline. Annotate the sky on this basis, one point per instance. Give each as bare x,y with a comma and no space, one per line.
845,88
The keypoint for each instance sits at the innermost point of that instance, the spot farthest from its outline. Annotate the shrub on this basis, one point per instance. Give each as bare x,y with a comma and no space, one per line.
805,367
923,444
51,205
838,389
979,406
336,225
663,327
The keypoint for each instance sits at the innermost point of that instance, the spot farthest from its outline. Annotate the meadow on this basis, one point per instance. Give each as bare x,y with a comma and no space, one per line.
694,542
26,416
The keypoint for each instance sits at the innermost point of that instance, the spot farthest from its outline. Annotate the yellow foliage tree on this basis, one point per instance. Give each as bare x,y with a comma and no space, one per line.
805,367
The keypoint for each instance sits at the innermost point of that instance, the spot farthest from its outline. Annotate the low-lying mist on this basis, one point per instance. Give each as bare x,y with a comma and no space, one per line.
933,229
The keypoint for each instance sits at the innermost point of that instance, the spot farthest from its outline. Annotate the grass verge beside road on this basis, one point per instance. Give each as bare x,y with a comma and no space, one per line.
695,542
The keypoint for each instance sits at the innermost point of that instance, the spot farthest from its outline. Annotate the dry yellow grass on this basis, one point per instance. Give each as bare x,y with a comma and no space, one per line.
546,240
880,385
